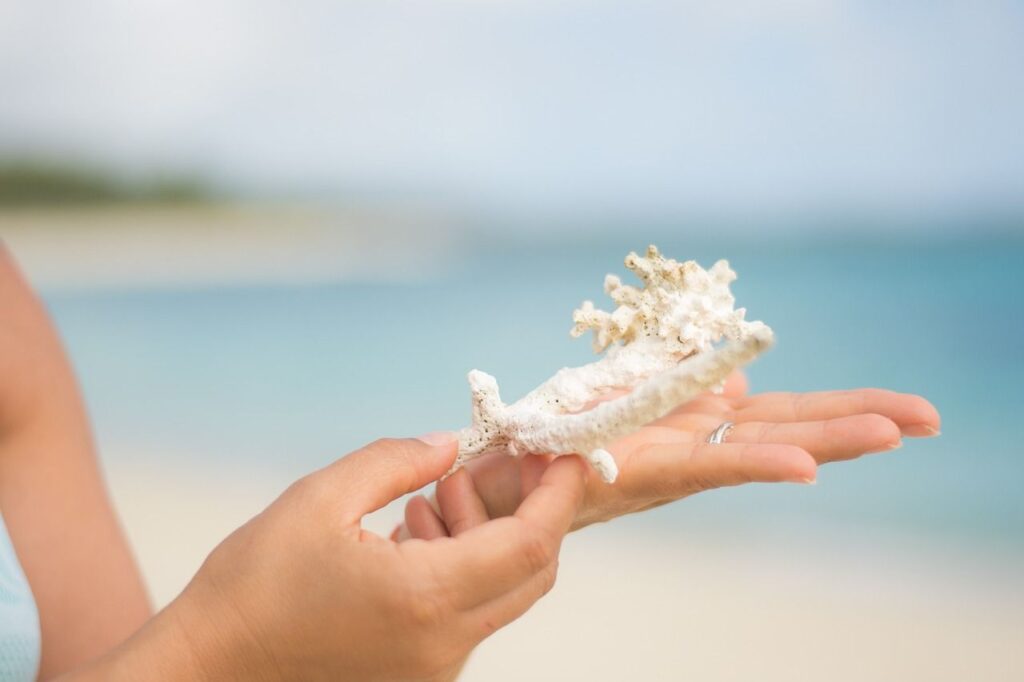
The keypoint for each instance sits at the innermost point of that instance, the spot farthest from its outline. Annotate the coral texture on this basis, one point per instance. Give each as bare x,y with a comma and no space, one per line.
658,343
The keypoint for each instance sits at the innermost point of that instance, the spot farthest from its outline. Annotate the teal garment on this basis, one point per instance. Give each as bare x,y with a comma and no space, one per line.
19,620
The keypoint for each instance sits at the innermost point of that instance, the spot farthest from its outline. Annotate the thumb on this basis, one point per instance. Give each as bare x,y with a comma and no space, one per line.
386,469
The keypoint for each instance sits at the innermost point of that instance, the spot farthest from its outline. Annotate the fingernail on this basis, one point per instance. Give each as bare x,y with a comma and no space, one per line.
921,431
894,445
437,438
808,481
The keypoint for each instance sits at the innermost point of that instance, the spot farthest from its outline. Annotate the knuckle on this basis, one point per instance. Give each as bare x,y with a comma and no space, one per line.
424,607
764,432
548,577
699,483
309,490
538,551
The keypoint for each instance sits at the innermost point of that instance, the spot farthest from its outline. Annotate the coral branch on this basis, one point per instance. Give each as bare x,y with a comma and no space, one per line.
659,342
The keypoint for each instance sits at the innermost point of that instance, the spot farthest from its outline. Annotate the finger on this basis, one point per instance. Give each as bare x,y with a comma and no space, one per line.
386,469
531,470
674,470
493,558
422,522
496,479
913,414
830,440
484,619
461,506
552,505
736,385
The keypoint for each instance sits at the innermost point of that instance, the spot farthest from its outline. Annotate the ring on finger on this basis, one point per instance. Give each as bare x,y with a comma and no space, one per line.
717,436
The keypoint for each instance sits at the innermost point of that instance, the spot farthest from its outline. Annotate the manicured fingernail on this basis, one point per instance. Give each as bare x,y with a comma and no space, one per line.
921,431
808,481
438,438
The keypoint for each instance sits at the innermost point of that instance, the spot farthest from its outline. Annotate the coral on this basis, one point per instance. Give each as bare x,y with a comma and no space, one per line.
658,343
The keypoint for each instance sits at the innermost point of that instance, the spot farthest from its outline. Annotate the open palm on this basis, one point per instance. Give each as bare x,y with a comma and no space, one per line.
777,437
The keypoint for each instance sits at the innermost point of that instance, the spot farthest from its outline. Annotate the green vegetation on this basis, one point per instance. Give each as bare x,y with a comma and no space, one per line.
41,183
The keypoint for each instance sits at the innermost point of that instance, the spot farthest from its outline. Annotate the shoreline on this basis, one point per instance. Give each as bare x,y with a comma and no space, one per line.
194,246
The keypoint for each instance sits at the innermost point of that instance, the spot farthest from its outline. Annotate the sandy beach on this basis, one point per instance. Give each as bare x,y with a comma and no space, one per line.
150,246
268,234
636,604
634,600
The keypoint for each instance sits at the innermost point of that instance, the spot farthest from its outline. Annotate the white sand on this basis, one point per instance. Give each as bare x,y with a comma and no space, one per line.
680,608
711,606
157,246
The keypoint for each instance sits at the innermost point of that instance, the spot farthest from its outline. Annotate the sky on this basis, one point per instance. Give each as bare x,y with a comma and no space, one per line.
558,105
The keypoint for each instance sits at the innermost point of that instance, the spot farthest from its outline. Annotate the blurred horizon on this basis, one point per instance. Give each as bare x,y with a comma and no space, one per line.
271,232
41,190
564,110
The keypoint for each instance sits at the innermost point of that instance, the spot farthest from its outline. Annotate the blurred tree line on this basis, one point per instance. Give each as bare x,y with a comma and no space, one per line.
48,183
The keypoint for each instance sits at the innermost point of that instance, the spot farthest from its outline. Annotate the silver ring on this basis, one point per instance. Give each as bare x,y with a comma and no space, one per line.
717,436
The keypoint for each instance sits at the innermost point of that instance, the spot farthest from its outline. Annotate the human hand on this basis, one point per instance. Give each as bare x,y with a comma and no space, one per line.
302,592
778,437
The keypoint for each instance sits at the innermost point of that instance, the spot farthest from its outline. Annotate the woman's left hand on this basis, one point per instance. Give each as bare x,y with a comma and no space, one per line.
778,437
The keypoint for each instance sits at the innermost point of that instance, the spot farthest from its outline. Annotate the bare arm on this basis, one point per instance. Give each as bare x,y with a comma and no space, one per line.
53,499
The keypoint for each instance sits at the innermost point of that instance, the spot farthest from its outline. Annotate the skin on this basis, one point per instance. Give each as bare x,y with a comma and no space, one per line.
54,502
301,591
778,437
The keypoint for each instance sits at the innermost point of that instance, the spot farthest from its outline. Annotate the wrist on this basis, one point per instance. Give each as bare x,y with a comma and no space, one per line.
214,640
185,641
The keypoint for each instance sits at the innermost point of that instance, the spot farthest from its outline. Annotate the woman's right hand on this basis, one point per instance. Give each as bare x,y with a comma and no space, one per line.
302,592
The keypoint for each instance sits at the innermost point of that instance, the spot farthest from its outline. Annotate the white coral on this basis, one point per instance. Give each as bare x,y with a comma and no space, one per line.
658,342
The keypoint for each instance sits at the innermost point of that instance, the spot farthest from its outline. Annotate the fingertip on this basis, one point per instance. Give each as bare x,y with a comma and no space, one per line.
452,487
807,471
461,506
577,471
800,465
531,471
736,385
422,521
922,419
573,465
438,438
442,448
877,432
443,445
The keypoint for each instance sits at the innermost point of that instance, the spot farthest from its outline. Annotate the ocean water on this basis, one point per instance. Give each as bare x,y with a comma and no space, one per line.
280,380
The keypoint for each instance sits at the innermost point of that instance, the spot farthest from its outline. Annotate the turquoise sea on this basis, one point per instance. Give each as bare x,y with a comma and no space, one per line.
278,380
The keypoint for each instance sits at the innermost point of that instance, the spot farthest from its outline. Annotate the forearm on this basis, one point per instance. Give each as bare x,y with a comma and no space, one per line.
84,580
